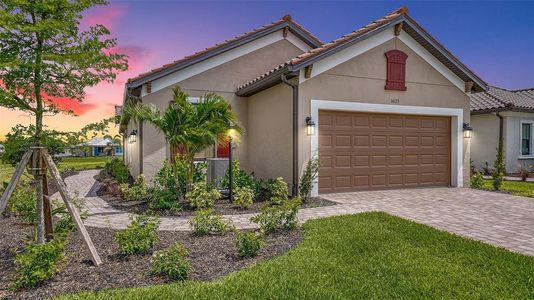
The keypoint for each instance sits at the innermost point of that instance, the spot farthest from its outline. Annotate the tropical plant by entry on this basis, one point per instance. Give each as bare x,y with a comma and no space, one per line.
189,128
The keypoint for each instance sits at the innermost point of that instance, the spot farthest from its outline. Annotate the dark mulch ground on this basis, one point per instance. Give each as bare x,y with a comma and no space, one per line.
110,192
211,257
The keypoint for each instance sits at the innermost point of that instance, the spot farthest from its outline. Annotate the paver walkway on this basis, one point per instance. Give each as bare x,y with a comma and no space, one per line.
495,218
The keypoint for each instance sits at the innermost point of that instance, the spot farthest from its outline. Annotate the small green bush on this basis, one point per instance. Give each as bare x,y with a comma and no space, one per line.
308,177
140,236
202,196
137,192
248,244
171,262
23,203
38,262
284,216
499,167
243,197
167,191
207,222
241,179
477,180
117,169
278,190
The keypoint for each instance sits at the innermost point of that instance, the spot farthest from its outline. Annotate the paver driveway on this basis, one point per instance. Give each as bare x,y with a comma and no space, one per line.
495,218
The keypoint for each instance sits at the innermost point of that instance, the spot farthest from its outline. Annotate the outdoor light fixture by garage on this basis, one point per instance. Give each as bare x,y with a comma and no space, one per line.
133,136
310,126
468,131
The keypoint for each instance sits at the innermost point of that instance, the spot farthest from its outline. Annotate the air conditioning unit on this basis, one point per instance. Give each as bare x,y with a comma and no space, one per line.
216,170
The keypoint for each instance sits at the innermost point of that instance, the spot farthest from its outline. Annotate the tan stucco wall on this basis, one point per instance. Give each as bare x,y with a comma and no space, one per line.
362,79
485,140
223,80
270,133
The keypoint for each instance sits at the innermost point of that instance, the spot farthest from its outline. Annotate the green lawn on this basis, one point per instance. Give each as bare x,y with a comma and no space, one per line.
5,172
518,188
369,255
83,163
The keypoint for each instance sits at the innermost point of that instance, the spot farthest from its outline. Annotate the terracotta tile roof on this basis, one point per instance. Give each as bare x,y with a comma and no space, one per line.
314,52
285,19
498,99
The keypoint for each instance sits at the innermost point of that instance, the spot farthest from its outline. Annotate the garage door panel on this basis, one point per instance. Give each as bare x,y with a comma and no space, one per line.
360,151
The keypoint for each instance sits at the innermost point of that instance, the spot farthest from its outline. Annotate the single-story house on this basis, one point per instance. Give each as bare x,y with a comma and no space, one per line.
500,113
99,146
383,107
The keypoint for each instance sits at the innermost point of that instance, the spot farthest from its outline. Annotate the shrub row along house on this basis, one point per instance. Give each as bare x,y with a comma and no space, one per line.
508,115
384,106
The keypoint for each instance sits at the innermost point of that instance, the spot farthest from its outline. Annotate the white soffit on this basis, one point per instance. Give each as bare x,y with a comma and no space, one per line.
223,58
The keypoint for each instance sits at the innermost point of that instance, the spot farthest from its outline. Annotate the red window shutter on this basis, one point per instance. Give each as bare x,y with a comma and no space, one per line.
396,70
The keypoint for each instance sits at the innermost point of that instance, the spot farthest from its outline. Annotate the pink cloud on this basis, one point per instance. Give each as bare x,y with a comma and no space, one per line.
108,16
70,105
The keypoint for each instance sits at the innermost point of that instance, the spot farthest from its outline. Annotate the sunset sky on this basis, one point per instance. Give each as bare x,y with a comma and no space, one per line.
495,39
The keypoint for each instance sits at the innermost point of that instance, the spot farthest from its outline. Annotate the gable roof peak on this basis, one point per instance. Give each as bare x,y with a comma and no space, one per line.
287,17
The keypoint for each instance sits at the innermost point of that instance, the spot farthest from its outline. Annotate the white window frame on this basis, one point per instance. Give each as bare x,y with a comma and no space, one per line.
531,154
193,100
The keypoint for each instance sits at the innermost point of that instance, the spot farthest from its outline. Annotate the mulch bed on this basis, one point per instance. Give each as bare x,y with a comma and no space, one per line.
211,256
110,192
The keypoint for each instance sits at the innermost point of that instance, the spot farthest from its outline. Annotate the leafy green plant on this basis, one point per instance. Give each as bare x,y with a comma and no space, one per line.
241,179
171,262
274,217
243,197
137,192
308,177
64,222
248,244
477,180
22,203
202,196
117,169
207,222
39,262
140,236
499,167
278,190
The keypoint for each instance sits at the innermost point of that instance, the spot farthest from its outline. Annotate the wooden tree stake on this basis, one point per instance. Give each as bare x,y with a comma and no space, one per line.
72,210
14,181
47,207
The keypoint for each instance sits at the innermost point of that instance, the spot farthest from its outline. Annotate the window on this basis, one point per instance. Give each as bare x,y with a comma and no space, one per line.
193,100
396,70
526,139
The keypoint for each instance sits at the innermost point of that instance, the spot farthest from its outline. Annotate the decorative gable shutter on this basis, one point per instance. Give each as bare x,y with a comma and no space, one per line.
396,70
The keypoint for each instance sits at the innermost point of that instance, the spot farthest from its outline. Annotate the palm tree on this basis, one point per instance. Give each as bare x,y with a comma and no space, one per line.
113,141
189,128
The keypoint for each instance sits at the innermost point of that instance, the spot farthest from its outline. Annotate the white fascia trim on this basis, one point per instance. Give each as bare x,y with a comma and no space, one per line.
344,55
457,136
432,60
222,58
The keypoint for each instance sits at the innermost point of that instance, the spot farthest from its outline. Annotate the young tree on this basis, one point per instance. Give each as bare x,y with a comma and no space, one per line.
44,56
499,167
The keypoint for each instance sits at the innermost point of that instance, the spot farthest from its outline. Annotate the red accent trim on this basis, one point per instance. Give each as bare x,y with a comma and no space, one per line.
396,70
223,151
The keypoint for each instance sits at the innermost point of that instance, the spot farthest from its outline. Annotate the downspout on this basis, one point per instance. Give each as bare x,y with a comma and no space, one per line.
501,126
295,87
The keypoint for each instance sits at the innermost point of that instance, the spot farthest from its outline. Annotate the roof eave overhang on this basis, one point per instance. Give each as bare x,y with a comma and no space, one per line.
501,109
266,82
292,28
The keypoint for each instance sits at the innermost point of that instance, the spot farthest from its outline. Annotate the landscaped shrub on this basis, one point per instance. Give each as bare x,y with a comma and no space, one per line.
241,179
278,190
248,244
117,169
137,192
207,222
202,196
308,177
499,167
477,180
171,262
243,197
22,203
284,216
38,262
64,222
140,236
167,190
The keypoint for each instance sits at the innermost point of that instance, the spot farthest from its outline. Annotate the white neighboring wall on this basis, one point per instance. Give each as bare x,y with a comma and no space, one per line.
514,159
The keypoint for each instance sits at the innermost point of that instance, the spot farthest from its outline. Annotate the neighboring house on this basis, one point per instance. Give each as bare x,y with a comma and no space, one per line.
2,149
387,103
508,114
99,147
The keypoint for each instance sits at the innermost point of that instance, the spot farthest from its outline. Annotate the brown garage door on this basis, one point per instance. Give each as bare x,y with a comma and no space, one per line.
362,151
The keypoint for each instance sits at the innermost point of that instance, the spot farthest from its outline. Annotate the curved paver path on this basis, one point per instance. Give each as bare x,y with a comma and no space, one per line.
495,218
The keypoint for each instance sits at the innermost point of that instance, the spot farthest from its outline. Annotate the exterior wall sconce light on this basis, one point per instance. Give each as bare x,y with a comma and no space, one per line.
310,126
132,138
468,131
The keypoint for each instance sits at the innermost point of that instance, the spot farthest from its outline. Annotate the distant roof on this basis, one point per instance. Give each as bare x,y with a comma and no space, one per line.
98,142
400,15
499,99
285,21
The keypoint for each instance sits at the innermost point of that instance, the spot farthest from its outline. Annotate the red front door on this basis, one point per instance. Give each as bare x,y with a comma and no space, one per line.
223,151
